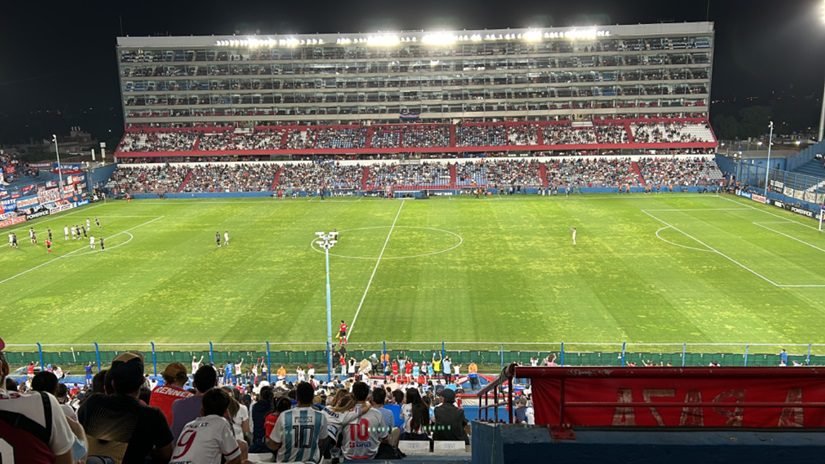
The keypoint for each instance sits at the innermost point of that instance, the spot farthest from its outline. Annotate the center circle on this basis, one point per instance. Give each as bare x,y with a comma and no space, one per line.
456,239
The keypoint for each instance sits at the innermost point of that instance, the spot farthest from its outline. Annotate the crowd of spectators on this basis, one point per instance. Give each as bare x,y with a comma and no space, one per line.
482,136
415,136
157,179
231,178
565,135
671,132
329,177
226,414
408,175
313,177
672,172
222,141
573,173
339,138
157,141
499,173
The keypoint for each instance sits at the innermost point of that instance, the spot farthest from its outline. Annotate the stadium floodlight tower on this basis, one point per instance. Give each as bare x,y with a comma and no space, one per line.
327,241
768,164
59,167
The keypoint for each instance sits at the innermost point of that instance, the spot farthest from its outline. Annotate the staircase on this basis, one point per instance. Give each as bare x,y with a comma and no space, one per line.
630,137
365,176
453,175
543,175
634,166
185,181
276,179
812,168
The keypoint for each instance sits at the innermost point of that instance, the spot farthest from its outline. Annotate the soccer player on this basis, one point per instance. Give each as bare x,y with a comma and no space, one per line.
74,232
11,239
48,246
97,221
297,431
49,233
88,224
102,245
32,236
14,240
92,242
342,330
218,239
226,238
573,231
84,232
209,438
65,232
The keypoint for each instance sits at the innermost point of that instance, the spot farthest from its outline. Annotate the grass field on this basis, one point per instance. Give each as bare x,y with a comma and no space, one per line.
669,268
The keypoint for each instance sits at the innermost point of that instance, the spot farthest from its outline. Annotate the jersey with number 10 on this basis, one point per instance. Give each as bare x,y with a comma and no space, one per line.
298,431
363,435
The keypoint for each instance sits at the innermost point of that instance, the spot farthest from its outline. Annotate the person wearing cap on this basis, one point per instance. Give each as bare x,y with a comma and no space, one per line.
119,425
174,378
41,441
449,420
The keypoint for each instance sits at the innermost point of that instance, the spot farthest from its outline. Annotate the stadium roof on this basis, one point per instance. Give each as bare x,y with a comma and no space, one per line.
430,38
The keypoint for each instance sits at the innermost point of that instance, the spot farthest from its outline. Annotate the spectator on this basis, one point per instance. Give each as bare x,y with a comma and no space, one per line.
301,439
450,418
27,445
188,409
239,414
364,433
260,410
416,416
118,425
472,374
209,439
174,378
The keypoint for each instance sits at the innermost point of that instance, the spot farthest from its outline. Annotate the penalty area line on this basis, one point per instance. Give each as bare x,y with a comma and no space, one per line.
73,252
374,270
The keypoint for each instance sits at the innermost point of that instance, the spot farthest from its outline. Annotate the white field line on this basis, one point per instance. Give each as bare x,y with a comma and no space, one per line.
703,250
55,218
789,236
770,213
73,252
715,250
374,270
697,209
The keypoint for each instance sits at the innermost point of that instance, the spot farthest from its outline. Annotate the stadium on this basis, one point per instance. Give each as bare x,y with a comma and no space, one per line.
475,199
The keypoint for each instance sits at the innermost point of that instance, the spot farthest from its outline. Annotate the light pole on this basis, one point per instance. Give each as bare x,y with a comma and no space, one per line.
327,241
59,167
768,166
822,111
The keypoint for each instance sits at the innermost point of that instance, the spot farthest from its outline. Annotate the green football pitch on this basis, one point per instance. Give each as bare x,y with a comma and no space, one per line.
646,269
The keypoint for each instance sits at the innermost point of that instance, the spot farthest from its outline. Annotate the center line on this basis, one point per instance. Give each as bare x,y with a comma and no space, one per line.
374,270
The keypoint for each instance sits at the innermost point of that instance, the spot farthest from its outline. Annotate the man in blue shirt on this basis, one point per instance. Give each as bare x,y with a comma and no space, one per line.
227,373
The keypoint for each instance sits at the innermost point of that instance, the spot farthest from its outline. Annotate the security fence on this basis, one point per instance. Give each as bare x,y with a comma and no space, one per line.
491,357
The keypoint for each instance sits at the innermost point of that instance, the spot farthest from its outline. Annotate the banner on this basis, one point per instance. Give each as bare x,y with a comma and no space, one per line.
61,206
36,215
48,195
12,221
28,202
676,401
759,198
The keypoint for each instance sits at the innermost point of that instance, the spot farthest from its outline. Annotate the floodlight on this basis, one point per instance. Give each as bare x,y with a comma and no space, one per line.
383,40
532,35
439,39
822,11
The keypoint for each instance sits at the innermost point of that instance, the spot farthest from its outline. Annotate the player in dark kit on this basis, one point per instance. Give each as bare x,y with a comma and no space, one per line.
97,221
218,238
49,232
102,245
14,240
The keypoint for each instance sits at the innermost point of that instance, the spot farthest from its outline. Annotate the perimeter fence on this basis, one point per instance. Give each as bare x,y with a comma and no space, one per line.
490,357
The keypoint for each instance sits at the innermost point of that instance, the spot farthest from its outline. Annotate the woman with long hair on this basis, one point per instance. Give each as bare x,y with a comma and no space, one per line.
416,416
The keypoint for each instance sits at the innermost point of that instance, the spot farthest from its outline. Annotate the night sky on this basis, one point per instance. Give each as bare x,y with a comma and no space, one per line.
58,67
